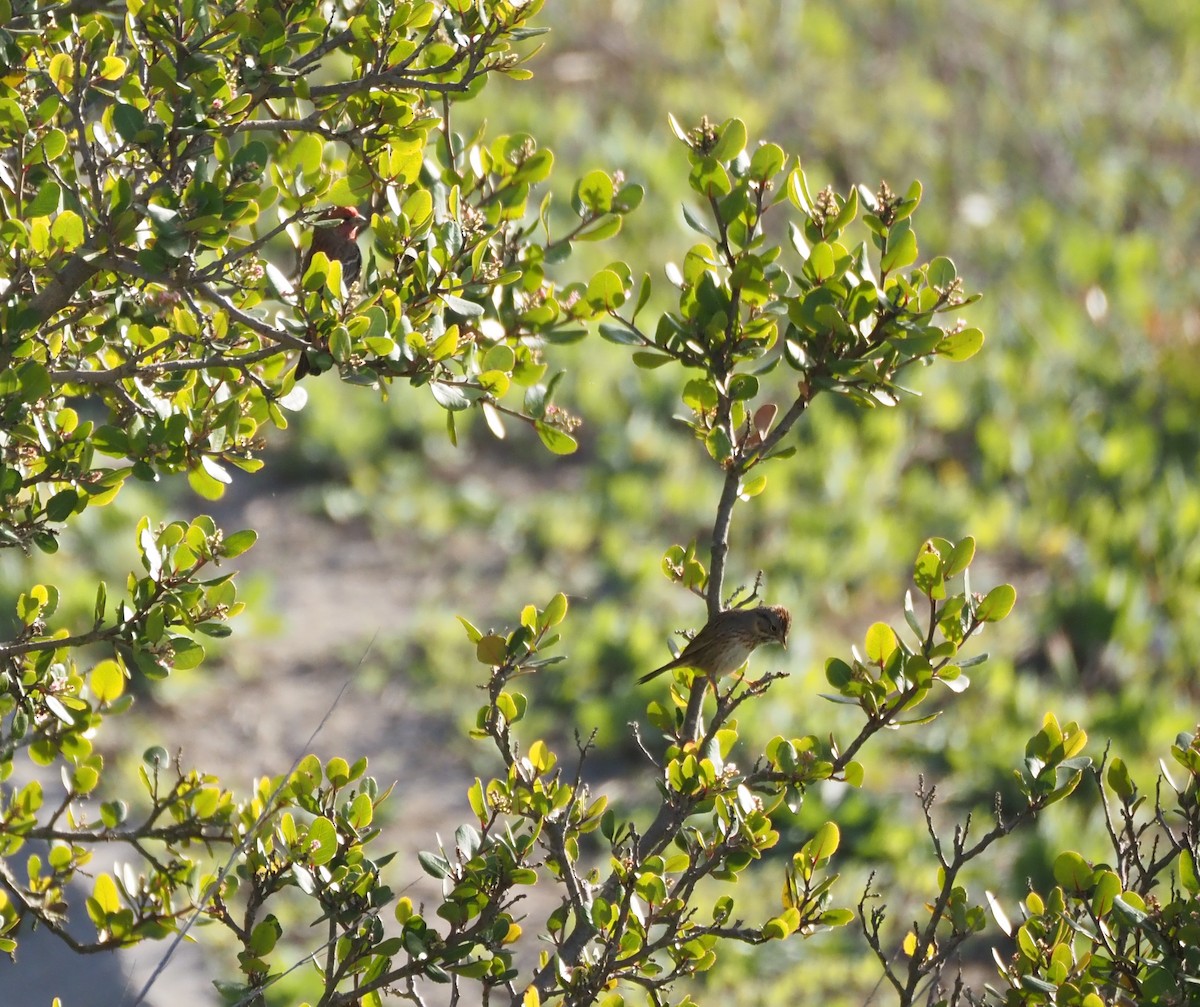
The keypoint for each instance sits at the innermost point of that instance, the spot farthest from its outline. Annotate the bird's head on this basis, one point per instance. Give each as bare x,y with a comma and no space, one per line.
773,623
347,218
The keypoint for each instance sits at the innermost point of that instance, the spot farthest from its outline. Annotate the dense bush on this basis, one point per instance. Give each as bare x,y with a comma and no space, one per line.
161,170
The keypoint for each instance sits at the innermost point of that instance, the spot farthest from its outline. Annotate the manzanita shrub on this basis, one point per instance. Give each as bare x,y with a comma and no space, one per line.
162,164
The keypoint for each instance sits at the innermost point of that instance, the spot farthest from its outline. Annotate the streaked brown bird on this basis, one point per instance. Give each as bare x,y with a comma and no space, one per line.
339,227
728,640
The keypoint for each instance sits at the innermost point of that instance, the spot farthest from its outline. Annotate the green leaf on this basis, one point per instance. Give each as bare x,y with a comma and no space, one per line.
558,441
696,224
264,936
603,228
743,386
910,616
901,250
823,844
753,487
107,681
12,117
960,557
215,470
67,230
622,335
128,121
46,201
322,844
927,574
473,634
731,140
1119,780
105,897
838,673
205,485
797,190
449,396
940,272
237,543
555,611
62,505
718,444
837,917
362,811
461,306
188,654
35,381
606,291
84,779
820,263
678,130
491,650
960,345
700,395
1072,872
595,192
775,929
434,866
110,441
880,642
997,604
55,706
499,358
766,161
643,294
709,178
912,199
1187,873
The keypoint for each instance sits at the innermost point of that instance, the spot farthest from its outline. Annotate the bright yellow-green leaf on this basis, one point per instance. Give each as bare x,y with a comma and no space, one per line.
62,70
880,642
67,230
84,779
824,842
556,611
112,68
107,681
104,891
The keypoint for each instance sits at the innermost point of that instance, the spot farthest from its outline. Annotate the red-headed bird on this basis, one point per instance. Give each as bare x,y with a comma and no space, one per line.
336,236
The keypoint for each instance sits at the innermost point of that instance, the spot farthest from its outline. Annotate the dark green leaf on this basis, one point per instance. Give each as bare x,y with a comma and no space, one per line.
620,334
62,505
46,201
